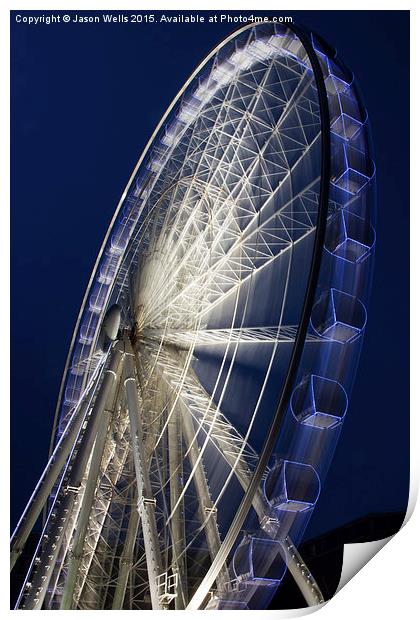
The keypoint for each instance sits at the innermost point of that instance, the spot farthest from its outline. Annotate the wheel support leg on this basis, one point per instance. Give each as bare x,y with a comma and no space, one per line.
126,561
177,525
76,553
146,502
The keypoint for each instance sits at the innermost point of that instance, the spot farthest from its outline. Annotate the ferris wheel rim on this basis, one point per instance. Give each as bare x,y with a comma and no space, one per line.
303,331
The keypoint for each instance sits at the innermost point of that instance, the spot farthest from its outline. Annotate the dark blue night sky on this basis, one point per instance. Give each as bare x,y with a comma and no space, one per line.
85,100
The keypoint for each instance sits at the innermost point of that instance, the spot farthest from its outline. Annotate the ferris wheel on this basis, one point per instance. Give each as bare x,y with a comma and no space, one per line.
212,359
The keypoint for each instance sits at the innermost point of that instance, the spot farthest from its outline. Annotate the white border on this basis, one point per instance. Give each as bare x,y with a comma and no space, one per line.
387,585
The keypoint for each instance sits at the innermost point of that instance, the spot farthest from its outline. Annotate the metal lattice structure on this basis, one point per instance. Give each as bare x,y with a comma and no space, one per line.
233,271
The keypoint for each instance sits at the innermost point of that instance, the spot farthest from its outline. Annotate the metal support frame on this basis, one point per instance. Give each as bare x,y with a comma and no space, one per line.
126,561
146,503
205,503
177,524
95,554
76,552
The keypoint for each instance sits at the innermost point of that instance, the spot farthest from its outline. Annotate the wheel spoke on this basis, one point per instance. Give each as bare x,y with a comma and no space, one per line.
211,337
